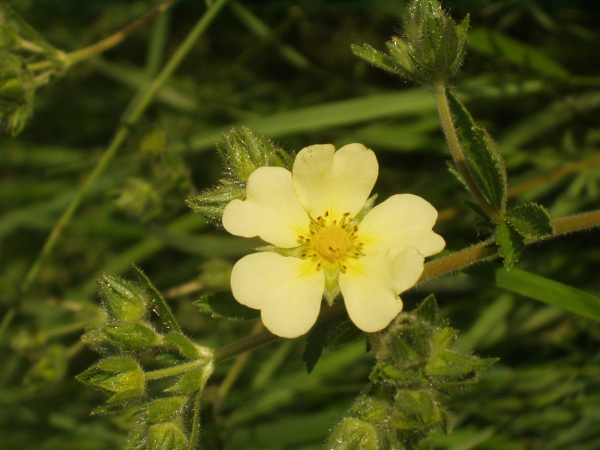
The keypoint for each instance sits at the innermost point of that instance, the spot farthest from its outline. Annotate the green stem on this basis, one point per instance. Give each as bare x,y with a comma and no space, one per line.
457,153
118,37
175,370
242,346
120,136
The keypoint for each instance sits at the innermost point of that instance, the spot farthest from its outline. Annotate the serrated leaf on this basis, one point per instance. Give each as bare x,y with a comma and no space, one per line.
163,409
510,244
223,305
532,221
482,158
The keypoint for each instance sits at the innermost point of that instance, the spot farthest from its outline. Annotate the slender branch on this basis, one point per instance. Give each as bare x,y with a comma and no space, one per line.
118,37
457,153
244,345
119,138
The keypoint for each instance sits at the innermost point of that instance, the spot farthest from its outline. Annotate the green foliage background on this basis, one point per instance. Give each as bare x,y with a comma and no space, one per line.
285,69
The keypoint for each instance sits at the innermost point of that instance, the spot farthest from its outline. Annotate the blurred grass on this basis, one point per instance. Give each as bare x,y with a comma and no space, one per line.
284,68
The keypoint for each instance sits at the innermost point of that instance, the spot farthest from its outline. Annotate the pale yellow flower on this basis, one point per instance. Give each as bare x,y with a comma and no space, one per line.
311,216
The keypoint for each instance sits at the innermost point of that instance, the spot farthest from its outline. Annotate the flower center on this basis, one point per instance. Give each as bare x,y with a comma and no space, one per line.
331,242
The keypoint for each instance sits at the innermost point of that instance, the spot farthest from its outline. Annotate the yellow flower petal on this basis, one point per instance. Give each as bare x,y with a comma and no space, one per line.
271,210
403,219
371,285
337,182
287,290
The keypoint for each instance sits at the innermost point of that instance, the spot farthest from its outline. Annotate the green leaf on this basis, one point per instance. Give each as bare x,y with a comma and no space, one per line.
316,341
484,162
223,305
158,302
353,434
531,221
322,335
510,244
164,409
539,288
166,436
494,43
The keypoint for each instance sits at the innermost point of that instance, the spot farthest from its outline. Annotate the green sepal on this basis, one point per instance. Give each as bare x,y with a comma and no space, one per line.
353,434
447,362
530,220
428,309
120,375
192,381
243,151
211,203
133,336
510,244
186,346
159,305
164,409
416,410
484,162
377,58
167,436
223,305
137,439
126,301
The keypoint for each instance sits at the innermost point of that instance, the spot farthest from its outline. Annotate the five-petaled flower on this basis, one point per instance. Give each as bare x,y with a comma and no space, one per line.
323,245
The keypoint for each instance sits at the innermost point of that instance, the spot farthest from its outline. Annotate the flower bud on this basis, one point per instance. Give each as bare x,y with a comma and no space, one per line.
122,376
431,49
126,300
